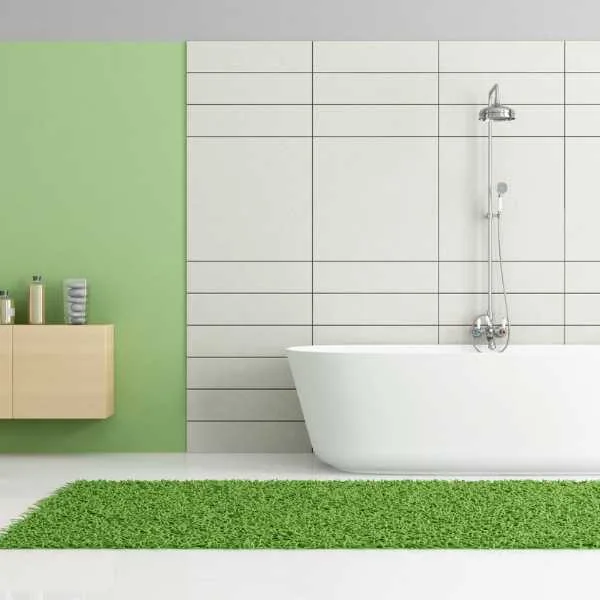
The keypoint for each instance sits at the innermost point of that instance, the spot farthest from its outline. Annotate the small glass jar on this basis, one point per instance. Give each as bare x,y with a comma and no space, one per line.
7,308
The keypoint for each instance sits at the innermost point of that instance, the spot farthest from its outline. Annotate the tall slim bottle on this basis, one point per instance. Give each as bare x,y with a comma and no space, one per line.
37,301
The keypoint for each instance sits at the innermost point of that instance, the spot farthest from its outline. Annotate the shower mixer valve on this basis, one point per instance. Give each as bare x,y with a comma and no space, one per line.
483,326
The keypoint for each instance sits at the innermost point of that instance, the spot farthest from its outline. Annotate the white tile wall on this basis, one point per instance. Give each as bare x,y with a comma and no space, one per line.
260,211
234,57
376,334
251,309
375,309
533,168
507,57
336,195
583,209
384,121
583,56
246,340
231,121
239,373
249,277
245,88
537,120
583,88
375,88
520,277
375,277
516,88
243,405
364,189
394,57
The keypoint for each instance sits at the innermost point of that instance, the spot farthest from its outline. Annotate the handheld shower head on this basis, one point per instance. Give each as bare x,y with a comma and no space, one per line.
495,111
501,188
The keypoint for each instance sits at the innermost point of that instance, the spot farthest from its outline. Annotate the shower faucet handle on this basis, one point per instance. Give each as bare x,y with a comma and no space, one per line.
501,329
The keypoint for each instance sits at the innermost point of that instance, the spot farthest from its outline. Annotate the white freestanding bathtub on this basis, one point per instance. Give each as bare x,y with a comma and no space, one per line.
450,410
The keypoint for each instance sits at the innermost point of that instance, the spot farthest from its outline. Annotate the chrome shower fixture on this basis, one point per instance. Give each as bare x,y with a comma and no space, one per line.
488,326
495,111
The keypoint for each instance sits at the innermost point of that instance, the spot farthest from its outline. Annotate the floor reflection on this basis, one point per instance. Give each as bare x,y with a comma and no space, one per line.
296,575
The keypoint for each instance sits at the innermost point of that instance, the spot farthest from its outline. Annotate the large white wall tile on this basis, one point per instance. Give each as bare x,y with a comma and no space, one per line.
375,199
375,88
249,88
520,277
249,121
505,56
375,309
244,373
243,405
265,437
524,309
244,340
519,334
348,277
583,277
533,169
583,309
515,88
583,56
376,56
249,309
582,334
540,120
376,120
249,199
246,277
249,56
582,88
583,121
376,334
583,208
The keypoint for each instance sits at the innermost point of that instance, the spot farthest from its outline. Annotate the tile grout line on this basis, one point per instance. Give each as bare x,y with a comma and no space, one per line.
438,192
391,261
565,191
387,72
312,192
187,252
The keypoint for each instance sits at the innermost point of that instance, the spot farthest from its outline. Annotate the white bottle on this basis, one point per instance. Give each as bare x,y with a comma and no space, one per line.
37,301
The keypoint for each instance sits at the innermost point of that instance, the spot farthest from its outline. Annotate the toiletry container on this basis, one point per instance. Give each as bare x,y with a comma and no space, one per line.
7,308
75,294
37,301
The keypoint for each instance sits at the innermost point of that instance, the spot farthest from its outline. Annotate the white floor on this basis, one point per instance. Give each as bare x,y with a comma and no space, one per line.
102,575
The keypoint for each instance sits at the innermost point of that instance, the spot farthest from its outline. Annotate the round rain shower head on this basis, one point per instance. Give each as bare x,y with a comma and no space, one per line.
497,112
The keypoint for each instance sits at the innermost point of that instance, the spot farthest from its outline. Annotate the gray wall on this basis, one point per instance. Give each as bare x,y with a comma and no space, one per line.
298,19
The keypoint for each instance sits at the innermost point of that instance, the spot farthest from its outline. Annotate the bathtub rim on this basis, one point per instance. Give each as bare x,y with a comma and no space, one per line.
440,350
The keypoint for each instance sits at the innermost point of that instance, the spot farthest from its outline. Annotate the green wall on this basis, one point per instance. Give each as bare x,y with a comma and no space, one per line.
92,184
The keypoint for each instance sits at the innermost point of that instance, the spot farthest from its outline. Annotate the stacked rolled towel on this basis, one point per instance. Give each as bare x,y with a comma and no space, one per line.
75,299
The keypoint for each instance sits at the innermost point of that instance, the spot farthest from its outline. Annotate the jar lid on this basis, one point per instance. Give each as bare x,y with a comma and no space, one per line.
37,278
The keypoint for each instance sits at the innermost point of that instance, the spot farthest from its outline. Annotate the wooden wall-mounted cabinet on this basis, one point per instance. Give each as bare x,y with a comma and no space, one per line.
6,372
56,372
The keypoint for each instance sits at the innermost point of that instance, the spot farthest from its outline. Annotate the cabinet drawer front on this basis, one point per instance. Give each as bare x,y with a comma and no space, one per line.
5,372
62,372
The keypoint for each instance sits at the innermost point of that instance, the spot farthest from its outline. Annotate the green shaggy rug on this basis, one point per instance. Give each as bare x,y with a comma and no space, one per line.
313,514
